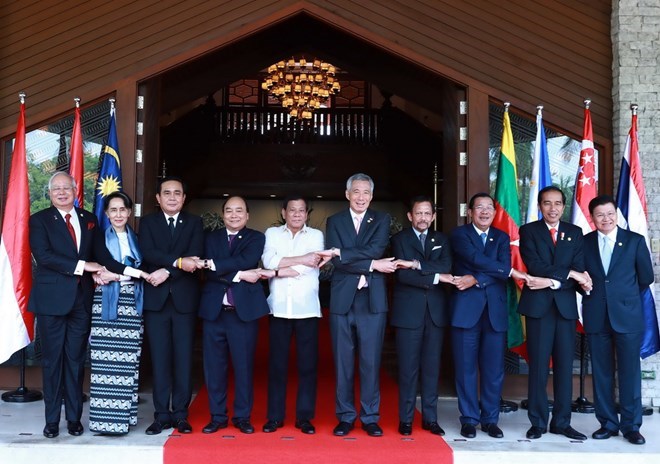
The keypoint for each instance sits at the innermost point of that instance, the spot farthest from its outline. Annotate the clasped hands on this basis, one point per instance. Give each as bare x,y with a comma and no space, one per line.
103,276
538,283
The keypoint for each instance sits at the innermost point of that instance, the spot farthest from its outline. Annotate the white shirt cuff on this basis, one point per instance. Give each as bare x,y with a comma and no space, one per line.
80,268
132,272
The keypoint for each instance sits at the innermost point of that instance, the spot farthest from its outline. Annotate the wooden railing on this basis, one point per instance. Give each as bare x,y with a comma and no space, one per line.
273,125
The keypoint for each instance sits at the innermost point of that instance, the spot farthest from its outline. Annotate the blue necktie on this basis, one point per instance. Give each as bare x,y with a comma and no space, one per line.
606,254
483,236
422,239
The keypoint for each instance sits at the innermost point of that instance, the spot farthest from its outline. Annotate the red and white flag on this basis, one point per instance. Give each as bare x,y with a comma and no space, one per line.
16,323
585,185
76,159
586,182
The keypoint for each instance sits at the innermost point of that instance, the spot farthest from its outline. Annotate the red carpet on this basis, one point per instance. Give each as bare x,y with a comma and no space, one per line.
288,444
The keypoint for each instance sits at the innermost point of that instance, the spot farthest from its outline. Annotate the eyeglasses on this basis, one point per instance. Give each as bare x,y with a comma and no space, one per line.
486,208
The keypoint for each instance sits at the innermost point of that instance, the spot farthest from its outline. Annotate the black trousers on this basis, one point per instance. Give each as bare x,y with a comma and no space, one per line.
305,331
170,334
64,349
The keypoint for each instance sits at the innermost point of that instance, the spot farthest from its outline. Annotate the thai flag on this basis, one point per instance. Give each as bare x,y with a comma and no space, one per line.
631,205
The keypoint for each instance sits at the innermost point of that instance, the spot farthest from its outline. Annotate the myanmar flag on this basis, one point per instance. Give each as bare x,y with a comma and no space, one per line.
507,218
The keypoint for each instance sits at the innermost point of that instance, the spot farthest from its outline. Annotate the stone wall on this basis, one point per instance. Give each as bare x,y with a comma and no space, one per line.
636,79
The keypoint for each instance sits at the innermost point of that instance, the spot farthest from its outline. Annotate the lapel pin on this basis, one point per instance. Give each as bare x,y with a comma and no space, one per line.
240,236
432,240
369,220
180,221
620,244
561,236
490,239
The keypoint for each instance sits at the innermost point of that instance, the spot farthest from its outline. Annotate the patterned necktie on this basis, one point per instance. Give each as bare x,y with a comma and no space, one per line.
230,294
606,254
362,282
483,236
72,231
422,240
170,220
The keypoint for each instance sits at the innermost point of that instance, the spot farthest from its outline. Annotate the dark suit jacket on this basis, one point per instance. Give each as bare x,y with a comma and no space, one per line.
414,291
357,252
543,259
617,293
54,288
490,266
245,252
160,250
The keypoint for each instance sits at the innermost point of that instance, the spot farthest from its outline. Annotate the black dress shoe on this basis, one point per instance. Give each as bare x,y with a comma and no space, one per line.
604,433
433,427
244,426
535,432
51,430
157,427
373,429
342,429
272,426
306,427
493,430
214,426
74,428
634,437
568,432
405,428
183,426
468,431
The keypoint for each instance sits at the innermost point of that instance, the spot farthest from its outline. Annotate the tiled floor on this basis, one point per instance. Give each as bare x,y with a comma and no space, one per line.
21,441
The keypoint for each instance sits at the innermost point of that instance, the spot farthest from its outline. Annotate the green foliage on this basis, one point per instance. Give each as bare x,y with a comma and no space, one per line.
40,173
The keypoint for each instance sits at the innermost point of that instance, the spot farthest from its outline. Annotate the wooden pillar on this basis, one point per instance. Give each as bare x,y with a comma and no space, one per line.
478,143
149,143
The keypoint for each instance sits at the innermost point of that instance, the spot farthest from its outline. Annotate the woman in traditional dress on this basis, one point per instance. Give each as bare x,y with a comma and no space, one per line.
117,329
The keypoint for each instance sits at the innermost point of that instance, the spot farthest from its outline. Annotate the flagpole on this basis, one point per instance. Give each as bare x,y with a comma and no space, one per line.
506,406
581,403
22,394
435,194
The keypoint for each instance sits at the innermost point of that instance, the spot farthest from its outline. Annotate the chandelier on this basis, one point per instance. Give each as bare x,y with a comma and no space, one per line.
301,86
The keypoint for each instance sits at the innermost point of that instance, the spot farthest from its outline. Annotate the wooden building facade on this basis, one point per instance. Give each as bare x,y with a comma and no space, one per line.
452,58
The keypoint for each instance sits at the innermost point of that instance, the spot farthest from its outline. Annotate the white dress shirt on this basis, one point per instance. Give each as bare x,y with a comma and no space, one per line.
293,297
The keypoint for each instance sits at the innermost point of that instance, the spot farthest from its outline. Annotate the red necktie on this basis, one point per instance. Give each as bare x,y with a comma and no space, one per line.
553,234
72,231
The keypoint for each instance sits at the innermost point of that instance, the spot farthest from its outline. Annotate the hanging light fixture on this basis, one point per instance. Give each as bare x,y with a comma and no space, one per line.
301,86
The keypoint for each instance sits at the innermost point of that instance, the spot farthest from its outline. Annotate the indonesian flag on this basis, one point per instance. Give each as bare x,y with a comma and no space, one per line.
76,160
507,219
16,323
631,206
585,186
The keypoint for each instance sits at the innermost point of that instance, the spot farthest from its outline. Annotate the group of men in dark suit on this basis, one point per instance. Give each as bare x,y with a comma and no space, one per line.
474,261
564,261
